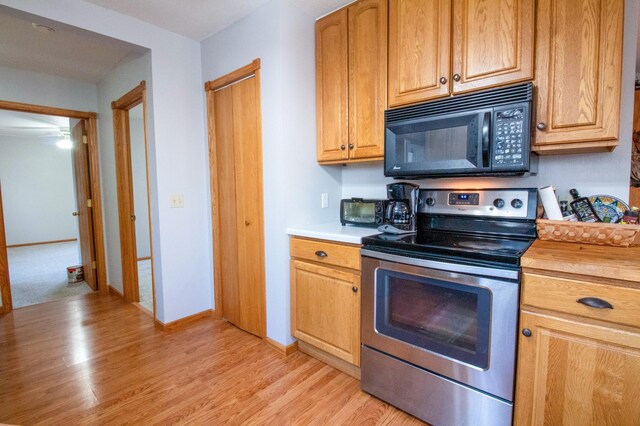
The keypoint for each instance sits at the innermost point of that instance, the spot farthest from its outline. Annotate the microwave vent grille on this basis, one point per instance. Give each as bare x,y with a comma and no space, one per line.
466,102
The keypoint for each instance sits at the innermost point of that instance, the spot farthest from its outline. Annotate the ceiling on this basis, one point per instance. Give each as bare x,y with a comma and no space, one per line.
26,125
69,52
199,19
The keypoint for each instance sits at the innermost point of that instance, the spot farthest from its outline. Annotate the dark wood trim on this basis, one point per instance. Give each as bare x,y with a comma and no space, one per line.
45,110
5,287
132,98
42,243
233,76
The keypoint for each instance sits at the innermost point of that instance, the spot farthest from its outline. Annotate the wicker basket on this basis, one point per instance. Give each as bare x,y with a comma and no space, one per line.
604,234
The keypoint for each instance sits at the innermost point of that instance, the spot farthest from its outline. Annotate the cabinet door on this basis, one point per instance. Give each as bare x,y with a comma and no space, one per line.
578,75
419,50
574,373
492,42
325,309
367,78
332,87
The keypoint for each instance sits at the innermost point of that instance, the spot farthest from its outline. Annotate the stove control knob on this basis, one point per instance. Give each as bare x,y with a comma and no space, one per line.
516,203
498,202
430,201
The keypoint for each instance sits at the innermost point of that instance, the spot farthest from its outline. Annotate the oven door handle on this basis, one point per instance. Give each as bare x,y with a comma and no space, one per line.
444,266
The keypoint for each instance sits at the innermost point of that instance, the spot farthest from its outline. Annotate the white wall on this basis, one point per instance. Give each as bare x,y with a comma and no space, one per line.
178,156
139,175
119,81
282,37
601,173
37,190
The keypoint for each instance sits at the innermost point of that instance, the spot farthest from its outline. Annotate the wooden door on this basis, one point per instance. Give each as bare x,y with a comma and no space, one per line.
574,373
84,202
126,209
238,215
5,288
419,50
493,43
578,75
367,78
332,90
325,309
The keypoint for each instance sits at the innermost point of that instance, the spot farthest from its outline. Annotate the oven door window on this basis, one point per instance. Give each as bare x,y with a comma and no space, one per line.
457,143
443,317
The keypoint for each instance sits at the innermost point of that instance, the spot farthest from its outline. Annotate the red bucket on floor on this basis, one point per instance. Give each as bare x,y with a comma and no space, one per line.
75,274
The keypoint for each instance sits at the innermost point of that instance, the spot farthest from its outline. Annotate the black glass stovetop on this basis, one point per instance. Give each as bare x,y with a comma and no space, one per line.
452,246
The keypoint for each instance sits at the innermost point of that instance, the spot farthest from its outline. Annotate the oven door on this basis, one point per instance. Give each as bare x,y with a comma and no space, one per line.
455,324
451,144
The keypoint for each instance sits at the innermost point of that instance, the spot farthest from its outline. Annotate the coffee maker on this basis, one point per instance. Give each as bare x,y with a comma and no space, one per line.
400,214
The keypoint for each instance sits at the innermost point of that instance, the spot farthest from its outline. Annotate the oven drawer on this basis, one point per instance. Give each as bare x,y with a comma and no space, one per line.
562,295
347,256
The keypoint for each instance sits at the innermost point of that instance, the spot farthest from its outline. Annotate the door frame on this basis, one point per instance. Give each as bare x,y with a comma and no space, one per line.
90,119
124,176
247,71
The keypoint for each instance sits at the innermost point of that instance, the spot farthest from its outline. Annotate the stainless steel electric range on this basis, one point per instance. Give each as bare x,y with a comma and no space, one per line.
440,307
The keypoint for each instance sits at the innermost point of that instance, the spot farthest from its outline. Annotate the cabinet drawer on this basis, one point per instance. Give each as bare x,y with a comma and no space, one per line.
325,252
562,295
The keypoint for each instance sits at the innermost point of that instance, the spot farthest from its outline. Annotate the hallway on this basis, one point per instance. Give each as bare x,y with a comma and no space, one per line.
95,359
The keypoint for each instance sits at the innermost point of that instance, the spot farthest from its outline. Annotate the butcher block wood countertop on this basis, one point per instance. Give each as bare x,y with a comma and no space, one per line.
610,265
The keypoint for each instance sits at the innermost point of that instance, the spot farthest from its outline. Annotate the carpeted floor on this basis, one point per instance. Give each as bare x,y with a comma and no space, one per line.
144,281
39,273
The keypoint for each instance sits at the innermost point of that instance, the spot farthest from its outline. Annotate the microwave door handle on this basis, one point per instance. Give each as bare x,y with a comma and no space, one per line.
486,134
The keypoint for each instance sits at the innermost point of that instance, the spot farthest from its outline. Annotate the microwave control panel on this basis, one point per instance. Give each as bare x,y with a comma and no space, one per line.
510,141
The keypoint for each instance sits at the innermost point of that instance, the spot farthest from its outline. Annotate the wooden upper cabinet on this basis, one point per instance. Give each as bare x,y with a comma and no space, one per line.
419,50
578,75
332,88
367,77
493,43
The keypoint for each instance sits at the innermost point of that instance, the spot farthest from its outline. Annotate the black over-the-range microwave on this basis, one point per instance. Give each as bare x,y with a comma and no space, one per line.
485,133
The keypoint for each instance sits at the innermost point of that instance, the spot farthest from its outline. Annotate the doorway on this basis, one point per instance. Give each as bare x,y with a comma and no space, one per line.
132,174
235,159
32,255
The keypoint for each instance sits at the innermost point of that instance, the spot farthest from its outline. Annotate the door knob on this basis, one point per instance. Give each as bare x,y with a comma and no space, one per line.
75,213
133,217
456,77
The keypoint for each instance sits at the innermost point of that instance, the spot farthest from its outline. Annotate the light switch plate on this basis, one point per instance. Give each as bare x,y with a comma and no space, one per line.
324,200
176,201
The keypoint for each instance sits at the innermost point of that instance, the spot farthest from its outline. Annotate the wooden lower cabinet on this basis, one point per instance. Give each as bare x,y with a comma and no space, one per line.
325,309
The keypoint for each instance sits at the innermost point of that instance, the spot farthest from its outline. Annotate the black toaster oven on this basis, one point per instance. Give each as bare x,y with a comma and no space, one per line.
361,212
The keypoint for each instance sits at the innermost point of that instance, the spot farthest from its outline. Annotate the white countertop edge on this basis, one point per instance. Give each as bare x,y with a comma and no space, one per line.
333,231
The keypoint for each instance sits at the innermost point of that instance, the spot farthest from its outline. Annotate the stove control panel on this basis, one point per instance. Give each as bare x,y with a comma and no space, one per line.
508,203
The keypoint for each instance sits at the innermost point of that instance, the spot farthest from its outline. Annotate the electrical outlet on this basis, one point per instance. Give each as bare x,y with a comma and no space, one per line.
176,201
324,203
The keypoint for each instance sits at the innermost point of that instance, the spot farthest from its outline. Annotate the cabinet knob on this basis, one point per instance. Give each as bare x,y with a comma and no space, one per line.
342,147
321,253
526,332
354,289
541,126
443,80
456,77
350,146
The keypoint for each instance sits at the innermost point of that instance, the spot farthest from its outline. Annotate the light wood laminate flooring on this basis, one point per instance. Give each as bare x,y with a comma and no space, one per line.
95,359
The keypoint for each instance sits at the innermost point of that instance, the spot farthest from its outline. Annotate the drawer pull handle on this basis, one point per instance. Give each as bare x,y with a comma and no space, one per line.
594,302
321,253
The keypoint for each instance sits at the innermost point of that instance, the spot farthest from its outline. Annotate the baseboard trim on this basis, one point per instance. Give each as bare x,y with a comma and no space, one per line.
329,359
183,322
115,292
42,243
280,348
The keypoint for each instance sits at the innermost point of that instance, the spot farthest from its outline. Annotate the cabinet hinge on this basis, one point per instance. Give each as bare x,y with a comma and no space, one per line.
85,140
89,203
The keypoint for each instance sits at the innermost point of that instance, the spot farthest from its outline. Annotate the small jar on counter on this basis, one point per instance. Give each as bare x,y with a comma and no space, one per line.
631,216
